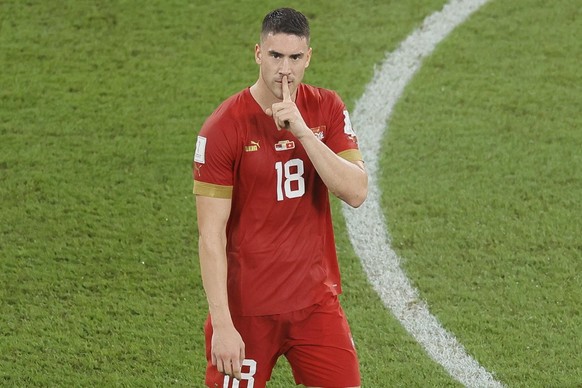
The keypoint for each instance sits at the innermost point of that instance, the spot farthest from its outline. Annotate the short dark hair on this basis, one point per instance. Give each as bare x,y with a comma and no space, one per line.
286,21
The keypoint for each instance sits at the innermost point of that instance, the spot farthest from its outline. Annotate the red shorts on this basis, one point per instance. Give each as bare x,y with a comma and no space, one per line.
316,341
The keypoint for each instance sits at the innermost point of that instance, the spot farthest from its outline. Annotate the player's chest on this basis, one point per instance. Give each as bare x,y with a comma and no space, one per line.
267,152
261,142
273,158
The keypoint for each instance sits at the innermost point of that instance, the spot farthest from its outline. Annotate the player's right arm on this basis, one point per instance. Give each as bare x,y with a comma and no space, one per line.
228,348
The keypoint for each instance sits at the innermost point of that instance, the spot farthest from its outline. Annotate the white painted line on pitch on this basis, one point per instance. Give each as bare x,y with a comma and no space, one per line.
366,225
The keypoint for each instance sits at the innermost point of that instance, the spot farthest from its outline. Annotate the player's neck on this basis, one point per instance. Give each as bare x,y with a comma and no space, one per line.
263,96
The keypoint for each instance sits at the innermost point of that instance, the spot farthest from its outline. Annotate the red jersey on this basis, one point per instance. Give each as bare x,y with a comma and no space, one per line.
280,243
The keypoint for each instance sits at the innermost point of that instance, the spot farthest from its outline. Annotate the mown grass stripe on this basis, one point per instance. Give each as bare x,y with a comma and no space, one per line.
366,225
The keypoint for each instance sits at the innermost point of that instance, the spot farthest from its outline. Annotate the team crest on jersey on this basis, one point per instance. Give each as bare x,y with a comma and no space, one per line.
254,146
319,132
285,145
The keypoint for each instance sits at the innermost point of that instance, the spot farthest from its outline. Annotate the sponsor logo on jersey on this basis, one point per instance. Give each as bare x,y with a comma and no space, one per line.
285,145
254,146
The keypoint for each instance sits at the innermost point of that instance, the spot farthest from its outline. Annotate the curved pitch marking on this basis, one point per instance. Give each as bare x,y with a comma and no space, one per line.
366,225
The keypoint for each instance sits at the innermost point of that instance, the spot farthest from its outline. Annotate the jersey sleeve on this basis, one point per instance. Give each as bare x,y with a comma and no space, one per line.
341,137
214,158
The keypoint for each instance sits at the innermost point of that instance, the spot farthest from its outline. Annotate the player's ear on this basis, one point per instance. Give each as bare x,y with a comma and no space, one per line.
308,58
258,54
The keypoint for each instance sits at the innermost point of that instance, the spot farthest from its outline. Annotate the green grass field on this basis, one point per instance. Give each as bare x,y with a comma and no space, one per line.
100,104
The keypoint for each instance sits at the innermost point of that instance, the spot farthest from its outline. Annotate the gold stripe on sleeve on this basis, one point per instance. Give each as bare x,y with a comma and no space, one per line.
351,155
211,190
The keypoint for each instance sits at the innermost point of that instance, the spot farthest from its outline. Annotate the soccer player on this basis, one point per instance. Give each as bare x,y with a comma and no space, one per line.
264,163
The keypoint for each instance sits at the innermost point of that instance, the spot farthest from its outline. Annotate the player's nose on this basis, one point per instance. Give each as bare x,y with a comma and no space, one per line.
285,69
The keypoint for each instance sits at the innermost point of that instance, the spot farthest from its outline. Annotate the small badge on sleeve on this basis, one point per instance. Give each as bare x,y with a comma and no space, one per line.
199,154
348,130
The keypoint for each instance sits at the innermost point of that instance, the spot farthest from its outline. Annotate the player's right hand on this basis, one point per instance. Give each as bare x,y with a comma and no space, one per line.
286,114
228,351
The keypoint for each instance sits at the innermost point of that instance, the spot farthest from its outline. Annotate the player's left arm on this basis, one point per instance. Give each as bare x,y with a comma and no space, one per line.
348,180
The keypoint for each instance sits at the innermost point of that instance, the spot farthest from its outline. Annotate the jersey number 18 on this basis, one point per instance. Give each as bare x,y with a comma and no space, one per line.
290,181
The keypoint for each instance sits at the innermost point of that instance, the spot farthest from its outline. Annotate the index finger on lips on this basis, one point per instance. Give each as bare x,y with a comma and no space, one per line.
285,88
